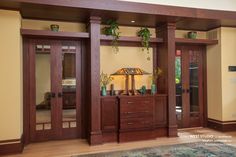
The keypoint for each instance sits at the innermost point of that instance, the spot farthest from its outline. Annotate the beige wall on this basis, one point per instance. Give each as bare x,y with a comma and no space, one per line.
183,34
221,82
209,4
214,81
45,25
126,57
228,57
11,76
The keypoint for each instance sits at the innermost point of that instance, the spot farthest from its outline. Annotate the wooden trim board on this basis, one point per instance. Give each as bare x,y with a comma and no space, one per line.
223,126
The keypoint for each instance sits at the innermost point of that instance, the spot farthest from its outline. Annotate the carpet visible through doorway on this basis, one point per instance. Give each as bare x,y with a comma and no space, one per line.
180,150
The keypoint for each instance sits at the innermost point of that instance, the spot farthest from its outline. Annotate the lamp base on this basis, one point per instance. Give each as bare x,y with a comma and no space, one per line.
135,92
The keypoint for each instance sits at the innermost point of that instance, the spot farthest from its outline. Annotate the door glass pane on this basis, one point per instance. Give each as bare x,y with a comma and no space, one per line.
178,82
43,87
68,87
194,82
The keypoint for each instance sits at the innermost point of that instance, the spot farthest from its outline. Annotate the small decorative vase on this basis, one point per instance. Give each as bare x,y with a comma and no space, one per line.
54,27
153,89
104,91
192,35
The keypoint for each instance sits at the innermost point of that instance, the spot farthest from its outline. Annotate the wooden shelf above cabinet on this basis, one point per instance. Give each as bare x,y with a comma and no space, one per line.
196,41
51,34
128,41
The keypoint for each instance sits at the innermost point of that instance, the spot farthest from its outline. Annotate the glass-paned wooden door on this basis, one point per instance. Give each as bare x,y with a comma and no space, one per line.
189,86
55,89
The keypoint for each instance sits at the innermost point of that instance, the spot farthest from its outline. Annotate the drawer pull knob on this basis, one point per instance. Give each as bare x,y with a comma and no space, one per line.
130,102
130,123
129,112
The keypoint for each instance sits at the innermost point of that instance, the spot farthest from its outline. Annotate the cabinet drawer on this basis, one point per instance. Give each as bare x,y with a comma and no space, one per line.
135,123
136,105
137,114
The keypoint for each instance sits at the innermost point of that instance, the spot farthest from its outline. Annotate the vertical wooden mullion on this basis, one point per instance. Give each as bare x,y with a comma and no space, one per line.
55,88
78,72
185,86
32,93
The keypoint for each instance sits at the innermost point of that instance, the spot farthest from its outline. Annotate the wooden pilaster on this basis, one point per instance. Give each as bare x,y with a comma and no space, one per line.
95,135
166,60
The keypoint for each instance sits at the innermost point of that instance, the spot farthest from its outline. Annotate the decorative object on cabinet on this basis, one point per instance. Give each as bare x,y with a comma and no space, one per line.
132,72
192,35
112,92
105,79
145,35
156,74
143,90
112,30
54,27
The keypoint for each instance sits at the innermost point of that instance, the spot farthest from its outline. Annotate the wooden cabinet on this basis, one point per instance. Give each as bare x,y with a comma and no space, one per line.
109,118
160,110
129,118
136,112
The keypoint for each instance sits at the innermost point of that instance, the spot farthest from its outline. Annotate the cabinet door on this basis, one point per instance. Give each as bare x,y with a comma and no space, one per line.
109,114
160,110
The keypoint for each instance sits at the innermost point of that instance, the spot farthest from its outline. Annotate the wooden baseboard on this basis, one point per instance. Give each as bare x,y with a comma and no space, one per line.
12,146
223,126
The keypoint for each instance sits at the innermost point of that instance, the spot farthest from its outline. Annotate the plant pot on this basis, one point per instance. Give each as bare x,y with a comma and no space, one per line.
153,89
104,91
54,27
192,35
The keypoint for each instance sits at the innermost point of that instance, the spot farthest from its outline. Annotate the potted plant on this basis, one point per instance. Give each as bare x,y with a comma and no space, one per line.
145,35
105,79
112,29
156,74
192,35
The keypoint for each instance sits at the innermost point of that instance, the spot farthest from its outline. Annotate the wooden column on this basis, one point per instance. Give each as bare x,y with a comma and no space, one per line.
95,134
166,61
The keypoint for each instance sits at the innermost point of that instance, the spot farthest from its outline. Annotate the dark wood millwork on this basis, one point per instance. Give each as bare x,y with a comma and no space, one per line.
109,118
130,118
124,12
192,110
223,126
94,81
166,61
12,146
196,41
56,103
50,34
142,117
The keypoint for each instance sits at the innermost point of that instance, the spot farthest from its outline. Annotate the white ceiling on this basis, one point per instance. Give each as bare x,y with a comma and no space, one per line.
229,5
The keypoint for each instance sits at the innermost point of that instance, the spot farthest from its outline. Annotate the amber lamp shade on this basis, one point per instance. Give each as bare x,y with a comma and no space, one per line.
130,72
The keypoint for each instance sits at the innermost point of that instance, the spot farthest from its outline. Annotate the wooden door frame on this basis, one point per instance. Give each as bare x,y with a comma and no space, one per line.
204,77
27,70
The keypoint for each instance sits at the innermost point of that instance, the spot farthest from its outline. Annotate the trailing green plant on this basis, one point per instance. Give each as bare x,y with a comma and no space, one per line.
145,35
105,79
112,29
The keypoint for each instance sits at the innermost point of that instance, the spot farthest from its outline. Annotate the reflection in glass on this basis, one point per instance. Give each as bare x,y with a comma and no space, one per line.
69,89
43,89
178,85
194,101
